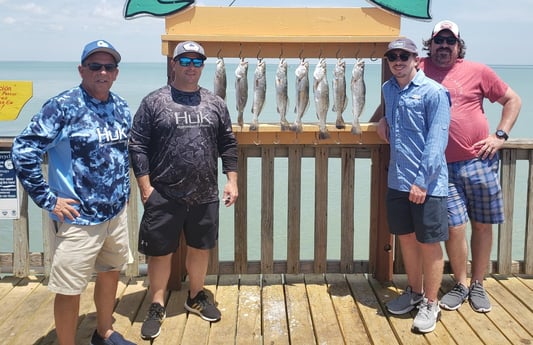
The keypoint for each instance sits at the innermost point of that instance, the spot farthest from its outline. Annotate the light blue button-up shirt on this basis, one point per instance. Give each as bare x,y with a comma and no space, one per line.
419,118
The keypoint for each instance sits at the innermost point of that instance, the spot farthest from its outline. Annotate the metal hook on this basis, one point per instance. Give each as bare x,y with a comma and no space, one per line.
296,139
337,53
218,53
240,51
372,58
257,141
320,53
281,52
357,54
259,52
300,55
338,141
276,139
317,139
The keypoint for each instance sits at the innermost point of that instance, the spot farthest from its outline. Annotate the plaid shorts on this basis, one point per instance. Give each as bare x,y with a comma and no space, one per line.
474,192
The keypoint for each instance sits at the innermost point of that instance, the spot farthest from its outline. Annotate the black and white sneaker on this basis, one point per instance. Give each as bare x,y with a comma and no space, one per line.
202,306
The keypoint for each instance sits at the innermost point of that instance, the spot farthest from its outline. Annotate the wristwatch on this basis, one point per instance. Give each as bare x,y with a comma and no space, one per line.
500,133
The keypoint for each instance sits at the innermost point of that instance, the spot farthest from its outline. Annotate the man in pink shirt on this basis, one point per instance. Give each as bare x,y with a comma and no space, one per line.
472,157
474,187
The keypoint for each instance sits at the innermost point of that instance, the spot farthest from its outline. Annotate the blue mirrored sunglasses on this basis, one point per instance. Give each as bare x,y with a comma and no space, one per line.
95,66
186,61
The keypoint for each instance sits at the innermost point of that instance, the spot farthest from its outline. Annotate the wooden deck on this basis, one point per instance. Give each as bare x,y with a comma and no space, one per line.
278,309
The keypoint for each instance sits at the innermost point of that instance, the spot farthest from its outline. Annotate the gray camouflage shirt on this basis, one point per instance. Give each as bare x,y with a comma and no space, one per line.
176,139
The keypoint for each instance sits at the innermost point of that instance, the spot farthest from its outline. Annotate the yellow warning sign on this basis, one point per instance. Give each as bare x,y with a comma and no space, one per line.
13,96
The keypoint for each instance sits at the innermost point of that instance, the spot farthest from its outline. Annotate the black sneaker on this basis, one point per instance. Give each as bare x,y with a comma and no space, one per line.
114,339
151,327
202,306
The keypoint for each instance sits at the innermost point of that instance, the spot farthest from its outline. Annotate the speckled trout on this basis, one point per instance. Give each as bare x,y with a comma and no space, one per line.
358,94
259,93
321,93
220,83
339,92
282,98
302,94
241,89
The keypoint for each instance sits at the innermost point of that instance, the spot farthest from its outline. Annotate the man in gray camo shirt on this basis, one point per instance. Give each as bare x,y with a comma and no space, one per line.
178,133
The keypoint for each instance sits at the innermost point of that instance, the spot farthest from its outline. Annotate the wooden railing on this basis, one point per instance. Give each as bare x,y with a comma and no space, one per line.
269,144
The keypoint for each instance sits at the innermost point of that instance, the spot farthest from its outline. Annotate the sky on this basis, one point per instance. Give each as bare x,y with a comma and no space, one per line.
57,30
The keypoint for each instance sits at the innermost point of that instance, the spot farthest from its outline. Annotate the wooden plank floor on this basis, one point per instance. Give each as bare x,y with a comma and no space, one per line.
277,309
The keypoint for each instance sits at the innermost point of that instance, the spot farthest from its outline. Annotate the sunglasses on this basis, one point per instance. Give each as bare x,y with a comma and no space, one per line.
186,62
95,66
449,40
393,57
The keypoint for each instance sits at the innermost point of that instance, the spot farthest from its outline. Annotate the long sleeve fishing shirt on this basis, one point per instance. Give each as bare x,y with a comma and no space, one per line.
419,117
86,141
177,138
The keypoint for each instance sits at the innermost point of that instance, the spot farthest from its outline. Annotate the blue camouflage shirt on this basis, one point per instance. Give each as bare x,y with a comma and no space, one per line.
86,141
419,118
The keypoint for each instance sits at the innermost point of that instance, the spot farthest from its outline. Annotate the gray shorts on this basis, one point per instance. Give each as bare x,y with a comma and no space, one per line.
81,250
429,221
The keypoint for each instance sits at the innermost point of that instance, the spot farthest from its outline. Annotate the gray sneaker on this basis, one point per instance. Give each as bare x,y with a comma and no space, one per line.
478,298
455,297
426,319
405,302
151,327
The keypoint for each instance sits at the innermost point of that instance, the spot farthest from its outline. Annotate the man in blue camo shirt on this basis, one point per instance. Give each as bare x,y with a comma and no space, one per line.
85,132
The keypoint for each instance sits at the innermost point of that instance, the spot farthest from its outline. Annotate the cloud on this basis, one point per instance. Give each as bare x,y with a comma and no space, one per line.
9,20
105,10
480,11
32,8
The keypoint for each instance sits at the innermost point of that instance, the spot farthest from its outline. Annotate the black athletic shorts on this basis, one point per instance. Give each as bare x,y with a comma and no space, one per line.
429,221
163,220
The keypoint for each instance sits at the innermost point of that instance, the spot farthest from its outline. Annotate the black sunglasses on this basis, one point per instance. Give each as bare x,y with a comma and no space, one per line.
449,40
186,62
95,66
393,57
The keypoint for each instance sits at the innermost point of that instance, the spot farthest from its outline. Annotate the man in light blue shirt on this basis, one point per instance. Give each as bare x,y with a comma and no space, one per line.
417,118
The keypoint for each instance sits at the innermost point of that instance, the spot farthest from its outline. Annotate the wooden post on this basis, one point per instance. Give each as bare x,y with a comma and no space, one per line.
381,240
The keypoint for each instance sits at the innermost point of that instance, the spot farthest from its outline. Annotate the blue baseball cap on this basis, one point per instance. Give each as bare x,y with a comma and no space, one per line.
99,46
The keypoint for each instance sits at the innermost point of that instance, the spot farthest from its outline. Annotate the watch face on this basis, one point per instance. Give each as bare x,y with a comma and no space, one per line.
501,134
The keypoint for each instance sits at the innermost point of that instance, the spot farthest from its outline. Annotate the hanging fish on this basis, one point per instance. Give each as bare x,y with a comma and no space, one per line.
339,92
220,79
241,89
302,94
358,94
321,93
282,98
259,92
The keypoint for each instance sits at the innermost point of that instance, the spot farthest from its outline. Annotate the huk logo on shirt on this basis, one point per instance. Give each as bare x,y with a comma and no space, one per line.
106,136
191,119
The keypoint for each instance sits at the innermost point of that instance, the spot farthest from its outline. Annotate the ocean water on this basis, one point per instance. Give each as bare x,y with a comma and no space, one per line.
135,80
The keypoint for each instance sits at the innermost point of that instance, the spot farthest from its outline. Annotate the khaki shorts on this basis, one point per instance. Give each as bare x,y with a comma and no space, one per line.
82,250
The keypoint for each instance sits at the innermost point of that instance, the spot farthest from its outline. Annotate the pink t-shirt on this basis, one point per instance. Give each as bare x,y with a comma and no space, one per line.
468,83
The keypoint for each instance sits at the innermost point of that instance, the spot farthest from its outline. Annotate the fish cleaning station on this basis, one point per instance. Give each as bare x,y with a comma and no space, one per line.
299,33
